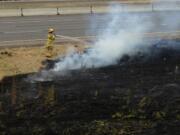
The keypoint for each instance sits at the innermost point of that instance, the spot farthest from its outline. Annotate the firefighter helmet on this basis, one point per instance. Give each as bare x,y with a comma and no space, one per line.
51,30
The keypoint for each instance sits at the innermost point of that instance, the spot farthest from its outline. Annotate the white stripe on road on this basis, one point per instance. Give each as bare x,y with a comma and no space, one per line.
168,32
36,31
45,39
19,32
21,22
7,22
31,21
22,40
171,32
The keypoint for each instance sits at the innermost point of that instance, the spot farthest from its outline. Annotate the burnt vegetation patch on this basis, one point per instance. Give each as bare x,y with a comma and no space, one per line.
140,95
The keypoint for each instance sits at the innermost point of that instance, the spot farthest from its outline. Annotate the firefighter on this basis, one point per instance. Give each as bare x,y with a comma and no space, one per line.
50,41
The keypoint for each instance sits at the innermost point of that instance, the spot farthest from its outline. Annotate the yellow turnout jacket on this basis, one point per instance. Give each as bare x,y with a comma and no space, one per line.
50,40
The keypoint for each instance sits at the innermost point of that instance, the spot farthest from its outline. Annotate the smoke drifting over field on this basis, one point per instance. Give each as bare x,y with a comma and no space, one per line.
123,35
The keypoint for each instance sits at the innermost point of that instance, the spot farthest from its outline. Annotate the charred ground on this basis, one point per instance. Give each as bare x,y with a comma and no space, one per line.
140,96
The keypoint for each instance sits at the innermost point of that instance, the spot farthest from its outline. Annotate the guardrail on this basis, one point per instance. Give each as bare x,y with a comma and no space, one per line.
65,3
77,7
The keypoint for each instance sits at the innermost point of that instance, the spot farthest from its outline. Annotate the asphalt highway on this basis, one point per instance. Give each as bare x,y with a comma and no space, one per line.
82,25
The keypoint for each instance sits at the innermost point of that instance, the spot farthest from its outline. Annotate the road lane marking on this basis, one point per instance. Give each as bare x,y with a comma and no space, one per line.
168,32
20,22
36,31
150,33
7,22
22,40
44,39
19,32
31,21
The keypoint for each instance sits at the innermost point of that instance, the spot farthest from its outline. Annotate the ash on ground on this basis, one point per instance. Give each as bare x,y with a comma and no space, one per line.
139,96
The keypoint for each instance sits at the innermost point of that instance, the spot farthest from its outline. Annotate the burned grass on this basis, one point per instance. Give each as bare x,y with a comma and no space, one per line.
139,96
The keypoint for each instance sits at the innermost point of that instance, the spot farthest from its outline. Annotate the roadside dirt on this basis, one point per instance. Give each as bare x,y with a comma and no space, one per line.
28,60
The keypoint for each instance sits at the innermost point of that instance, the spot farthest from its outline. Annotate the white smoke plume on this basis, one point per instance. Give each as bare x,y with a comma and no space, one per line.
122,35
169,5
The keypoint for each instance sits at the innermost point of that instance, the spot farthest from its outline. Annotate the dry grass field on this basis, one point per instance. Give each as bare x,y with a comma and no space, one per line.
29,59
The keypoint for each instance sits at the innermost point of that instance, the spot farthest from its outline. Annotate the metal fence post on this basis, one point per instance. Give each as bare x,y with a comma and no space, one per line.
91,9
58,11
22,12
152,7
122,8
